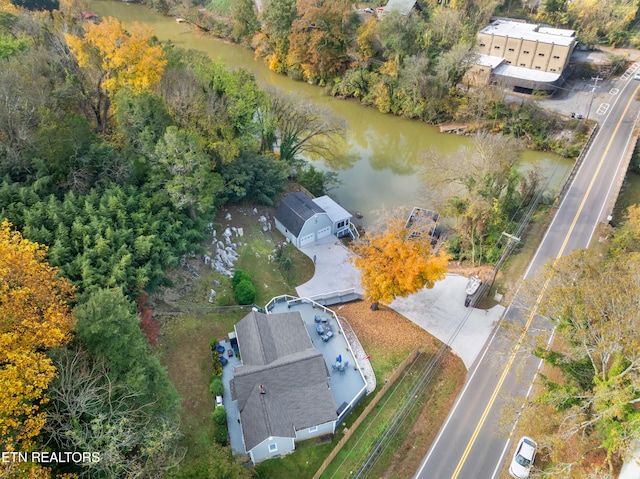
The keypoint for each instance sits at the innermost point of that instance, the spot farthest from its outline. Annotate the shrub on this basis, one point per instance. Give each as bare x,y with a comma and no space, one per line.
215,386
220,416
220,435
240,276
245,293
283,257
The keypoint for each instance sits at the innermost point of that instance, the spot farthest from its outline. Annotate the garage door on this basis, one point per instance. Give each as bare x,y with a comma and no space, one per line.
307,239
324,232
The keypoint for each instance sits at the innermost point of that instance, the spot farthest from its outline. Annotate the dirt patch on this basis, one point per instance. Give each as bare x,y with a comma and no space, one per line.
385,329
484,272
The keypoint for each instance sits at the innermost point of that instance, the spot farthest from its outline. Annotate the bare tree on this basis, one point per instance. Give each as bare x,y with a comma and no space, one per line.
301,127
89,412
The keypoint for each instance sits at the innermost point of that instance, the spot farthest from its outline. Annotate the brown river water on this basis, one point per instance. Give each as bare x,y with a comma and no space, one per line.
380,158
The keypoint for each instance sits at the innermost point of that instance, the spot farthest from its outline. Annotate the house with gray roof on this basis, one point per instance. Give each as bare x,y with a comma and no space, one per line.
303,220
282,387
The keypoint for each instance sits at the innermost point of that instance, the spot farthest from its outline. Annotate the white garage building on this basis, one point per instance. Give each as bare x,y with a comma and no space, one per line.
303,220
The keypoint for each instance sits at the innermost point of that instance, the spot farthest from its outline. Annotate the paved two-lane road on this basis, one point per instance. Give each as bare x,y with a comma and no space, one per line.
470,444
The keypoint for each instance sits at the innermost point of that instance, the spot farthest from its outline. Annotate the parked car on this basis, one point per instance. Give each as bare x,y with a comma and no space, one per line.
368,10
637,76
218,401
523,458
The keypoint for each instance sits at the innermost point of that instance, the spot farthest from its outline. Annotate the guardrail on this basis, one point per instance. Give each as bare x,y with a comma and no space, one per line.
577,164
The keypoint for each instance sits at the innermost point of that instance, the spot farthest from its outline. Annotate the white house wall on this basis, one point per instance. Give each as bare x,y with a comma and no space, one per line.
287,234
320,430
284,445
313,225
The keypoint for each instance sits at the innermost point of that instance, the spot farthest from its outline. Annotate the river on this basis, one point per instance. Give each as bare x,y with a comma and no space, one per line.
381,155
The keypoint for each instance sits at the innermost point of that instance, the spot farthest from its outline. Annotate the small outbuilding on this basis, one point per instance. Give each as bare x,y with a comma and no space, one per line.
303,220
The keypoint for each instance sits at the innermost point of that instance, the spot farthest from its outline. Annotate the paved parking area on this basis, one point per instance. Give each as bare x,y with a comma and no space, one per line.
439,311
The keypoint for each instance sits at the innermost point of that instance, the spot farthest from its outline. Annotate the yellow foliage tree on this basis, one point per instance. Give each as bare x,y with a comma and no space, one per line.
111,58
396,263
8,7
34,317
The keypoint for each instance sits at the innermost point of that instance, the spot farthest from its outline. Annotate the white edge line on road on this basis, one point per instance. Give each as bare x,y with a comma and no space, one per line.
604,205
455,406
486,347
535,256
500,462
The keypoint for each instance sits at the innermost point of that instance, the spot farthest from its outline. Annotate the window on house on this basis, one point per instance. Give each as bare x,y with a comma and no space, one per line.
537,68
556,57
552,69
341,224
526,52
313,429
497,47
511,50
540,54
523,64
508,62
273,447
483,45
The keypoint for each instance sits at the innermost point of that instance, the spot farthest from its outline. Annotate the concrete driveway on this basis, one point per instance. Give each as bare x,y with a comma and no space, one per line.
334,271
439,311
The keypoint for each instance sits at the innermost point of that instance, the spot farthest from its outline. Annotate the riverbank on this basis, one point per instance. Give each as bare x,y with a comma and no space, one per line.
379,162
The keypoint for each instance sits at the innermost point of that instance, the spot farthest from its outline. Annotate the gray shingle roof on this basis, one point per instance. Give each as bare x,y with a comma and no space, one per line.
264,338
294,210
293,373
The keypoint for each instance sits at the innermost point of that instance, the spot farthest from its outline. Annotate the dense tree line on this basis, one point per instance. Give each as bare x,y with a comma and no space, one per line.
595,21
115,152
409,65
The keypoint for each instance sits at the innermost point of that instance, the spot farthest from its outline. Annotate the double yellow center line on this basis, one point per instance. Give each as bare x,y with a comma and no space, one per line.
533,312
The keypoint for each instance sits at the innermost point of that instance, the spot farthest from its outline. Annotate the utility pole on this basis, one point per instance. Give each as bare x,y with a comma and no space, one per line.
593,91
511,241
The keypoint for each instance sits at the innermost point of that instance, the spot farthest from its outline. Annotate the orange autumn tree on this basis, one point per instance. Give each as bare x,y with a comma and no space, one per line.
396,262
34,317
111,57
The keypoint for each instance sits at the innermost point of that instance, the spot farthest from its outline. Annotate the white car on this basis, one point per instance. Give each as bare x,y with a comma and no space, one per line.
368,10
218,401
637,76
523,458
